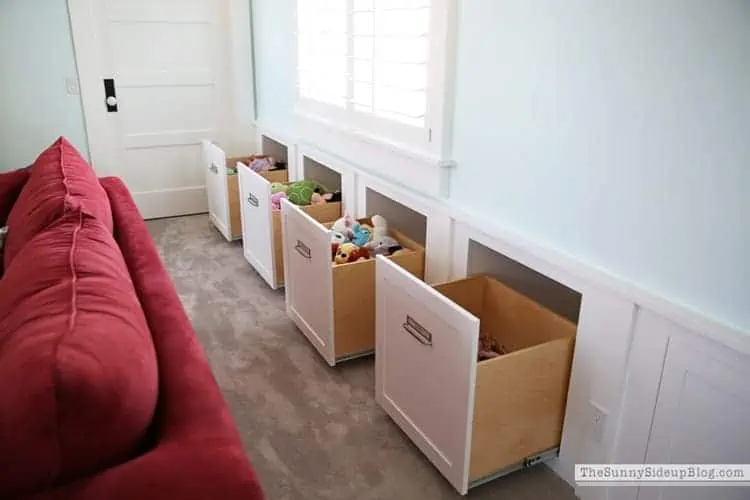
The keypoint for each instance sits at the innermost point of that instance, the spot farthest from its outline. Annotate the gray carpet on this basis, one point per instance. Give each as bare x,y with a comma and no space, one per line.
312,432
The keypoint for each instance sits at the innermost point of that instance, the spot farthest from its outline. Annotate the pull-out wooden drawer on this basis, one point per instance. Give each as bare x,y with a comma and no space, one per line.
223,191
334,306
261,225
474,420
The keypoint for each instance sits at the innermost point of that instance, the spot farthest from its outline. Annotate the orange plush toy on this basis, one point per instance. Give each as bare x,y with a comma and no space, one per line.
349,252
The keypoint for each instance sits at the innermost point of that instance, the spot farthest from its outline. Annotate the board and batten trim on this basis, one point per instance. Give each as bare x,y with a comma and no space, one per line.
579,275
569,271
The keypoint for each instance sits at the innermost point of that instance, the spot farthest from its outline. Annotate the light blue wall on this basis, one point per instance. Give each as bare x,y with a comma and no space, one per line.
618,133
274,24
36,56
614,132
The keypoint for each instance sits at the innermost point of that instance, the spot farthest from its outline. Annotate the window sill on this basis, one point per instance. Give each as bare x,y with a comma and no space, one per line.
423,172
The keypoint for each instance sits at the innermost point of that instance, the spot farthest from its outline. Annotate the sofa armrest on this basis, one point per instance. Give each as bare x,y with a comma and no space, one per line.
11,184
197,452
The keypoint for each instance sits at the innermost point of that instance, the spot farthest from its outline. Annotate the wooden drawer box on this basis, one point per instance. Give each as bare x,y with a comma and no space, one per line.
334,306
261,225
222,188
473,420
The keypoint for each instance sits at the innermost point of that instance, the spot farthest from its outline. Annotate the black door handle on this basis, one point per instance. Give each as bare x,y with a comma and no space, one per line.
110,96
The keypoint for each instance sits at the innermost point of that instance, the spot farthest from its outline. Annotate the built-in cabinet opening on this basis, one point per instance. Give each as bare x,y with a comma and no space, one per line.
410,222
278,151
551,294
315,171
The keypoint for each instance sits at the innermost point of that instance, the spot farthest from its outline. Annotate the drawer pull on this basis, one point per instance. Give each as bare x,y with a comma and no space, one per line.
417,331
213,168
303,250
253,200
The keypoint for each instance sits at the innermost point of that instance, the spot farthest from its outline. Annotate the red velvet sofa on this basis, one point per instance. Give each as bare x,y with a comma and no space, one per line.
105,392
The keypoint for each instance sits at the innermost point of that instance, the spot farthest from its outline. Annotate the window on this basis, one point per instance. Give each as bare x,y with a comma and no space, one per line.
365,66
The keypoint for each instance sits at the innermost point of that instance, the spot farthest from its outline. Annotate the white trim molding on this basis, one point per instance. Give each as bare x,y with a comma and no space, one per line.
428,174
579,276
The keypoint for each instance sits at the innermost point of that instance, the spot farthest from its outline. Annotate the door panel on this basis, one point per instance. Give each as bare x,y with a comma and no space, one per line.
141,174
156,112
151,46
214,168
257,224
308,277
425,368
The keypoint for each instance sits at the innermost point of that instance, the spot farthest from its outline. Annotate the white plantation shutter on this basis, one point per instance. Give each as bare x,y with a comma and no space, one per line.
364,63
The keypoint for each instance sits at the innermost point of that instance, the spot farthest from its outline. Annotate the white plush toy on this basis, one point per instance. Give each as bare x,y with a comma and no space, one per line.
379,228
345,226
381,243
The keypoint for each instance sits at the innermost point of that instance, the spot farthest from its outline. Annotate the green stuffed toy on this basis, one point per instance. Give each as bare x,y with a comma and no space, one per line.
301,192
277,187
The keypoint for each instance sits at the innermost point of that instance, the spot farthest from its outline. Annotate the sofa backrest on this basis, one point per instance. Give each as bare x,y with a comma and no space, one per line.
11,184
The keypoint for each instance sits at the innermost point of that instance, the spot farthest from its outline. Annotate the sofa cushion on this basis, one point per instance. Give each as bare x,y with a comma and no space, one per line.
78,371
11,184
61,180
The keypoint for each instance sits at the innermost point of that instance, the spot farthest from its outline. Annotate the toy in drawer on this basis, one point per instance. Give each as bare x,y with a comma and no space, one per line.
474,420
222,187
261,223
334,305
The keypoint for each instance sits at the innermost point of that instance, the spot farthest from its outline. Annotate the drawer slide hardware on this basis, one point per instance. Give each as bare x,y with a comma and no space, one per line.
417,331
253,200
303,250
527,462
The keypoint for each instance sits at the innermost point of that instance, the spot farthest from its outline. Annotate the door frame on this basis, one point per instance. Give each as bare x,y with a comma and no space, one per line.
236,131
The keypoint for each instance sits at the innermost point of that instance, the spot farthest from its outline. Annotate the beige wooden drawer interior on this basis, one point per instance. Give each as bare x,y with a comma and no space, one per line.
474,420
334,306
223,188
261,225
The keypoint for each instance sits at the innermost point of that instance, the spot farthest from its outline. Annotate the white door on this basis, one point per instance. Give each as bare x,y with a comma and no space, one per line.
167,61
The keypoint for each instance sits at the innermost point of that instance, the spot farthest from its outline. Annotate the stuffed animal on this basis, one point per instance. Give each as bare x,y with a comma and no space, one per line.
489,348
276,200
277,187
334,250
349,252
301,192
345,226
386,246
381,243
320,199
262,164
362,234
338,238
379,227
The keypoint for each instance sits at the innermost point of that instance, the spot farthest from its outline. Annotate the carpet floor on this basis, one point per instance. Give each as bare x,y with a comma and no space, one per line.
312,432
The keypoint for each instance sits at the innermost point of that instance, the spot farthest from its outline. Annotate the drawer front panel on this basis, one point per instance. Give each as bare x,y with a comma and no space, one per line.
308,277
426,367
257,223
214,162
